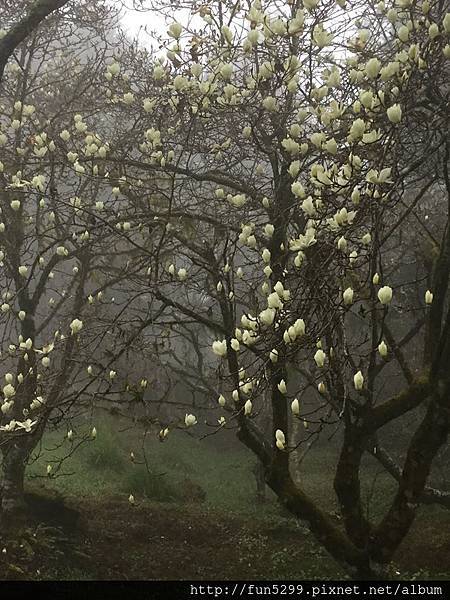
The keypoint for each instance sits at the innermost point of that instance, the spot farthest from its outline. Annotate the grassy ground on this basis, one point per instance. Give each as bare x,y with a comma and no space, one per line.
195,516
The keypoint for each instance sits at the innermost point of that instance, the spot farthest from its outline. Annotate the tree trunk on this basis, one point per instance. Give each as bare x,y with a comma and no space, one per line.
296,455
12,489
428,439
348,487
260,479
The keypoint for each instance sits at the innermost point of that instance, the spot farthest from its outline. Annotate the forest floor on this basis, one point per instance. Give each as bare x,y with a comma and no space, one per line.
109,539
195,517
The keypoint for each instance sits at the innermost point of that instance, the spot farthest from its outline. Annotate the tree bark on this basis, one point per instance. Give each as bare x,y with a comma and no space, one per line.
260,480
12,489
348,487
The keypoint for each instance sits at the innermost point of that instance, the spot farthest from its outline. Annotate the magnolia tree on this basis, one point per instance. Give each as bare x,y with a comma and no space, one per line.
62,259
281,154
256,191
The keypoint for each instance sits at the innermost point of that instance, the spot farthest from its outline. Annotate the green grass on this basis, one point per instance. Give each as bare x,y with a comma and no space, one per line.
222,468
103,466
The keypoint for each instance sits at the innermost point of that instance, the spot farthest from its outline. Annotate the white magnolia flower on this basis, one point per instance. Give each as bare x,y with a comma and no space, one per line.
357,129
270,104
226,71
342,244
274,301
76,326
234,343
295,407
149,105
267,316
385,294
279,288
128,98
190,420
433,30
273,355
113,68
220,348
320,357
299,327
26,425
269,230
372,68
9,391
403,33
248,407
382,349
282,387
280,439
428,294
266,255
394,113
348,296
175,30
322,37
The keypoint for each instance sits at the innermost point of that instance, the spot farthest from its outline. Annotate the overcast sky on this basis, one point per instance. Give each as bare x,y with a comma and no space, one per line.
133,21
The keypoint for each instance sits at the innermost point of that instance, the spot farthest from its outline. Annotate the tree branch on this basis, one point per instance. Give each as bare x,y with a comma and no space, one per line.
39,11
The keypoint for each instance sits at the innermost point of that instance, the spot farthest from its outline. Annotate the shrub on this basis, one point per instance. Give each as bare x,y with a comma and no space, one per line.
105,452
153,485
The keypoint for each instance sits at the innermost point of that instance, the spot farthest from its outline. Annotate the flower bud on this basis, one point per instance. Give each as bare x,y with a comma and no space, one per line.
385,294
358,380
394,113
382,349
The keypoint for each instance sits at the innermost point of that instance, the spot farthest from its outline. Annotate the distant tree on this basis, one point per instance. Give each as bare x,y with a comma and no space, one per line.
60,256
